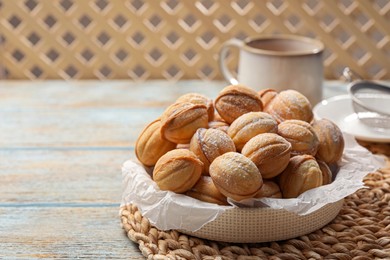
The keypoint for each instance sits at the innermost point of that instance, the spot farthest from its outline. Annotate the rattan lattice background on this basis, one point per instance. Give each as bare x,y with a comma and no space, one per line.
172,39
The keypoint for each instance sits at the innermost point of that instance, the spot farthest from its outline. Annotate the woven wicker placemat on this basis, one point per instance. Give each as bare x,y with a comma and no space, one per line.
360,231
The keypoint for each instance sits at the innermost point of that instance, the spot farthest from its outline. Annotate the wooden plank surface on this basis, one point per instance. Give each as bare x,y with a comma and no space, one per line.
62,145
44,176
88,114
86,127
66,232
95,114
62,203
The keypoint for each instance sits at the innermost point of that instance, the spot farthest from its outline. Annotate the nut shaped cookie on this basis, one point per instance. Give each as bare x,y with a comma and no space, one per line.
180,121
150,146
208,144
177,170
301,135
249,125
327,175
290,104
206,191
331,141
301,174
198,99
269,152
266,96
236,176
236,100
270,189
220,125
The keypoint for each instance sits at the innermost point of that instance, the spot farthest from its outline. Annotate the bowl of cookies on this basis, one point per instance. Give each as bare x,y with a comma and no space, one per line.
247,166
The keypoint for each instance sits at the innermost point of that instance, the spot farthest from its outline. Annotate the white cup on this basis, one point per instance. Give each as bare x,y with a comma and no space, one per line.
279,62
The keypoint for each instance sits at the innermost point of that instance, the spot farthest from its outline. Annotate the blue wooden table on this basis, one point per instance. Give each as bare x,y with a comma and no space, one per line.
62,145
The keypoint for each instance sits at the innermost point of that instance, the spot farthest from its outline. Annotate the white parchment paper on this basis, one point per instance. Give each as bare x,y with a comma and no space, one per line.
168,210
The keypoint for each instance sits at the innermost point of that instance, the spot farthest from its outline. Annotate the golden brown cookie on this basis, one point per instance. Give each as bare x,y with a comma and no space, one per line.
236,176
199,99
270,189
150,146
177,170
205,190
302,173
269,152
236,100
220,125
327,175
180,121
249,125
331,141
210,143
290,104
183,146
266,96
301,135
218,122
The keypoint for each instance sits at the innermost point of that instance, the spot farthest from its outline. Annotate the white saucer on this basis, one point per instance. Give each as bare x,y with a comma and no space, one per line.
339,110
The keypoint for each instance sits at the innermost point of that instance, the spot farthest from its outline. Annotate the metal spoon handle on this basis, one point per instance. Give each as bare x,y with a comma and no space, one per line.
351,75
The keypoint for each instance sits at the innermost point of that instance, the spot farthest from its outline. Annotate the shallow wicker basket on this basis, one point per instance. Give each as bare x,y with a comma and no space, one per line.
255,225
246,224
359,231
